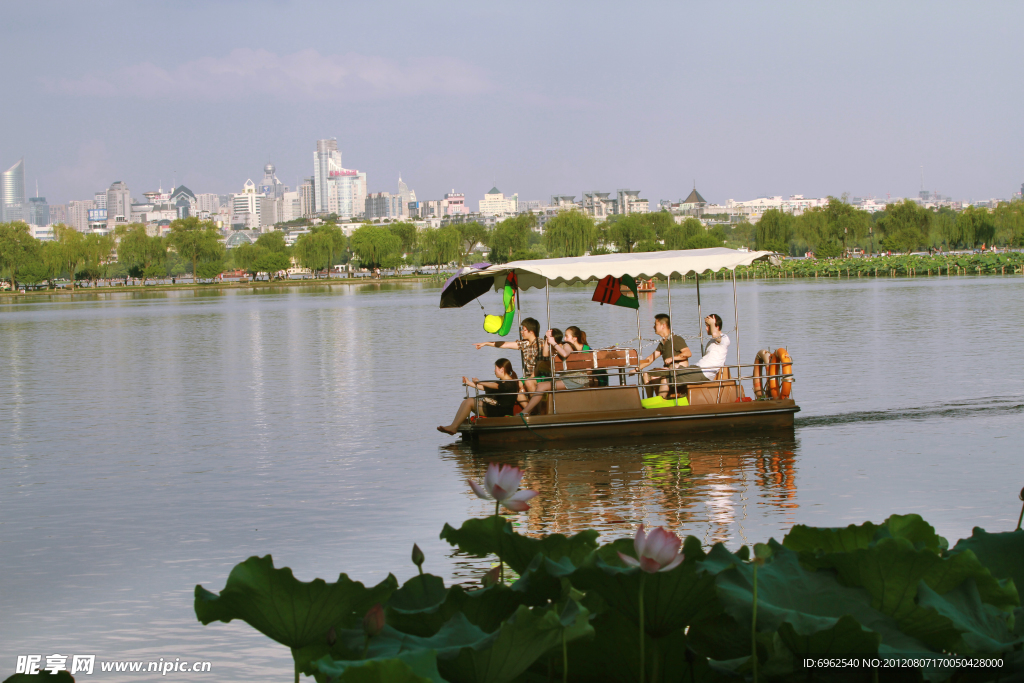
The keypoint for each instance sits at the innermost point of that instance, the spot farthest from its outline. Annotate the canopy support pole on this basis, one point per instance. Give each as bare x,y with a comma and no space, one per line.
639,348
674,388
519,321
700,318
736,324
551,357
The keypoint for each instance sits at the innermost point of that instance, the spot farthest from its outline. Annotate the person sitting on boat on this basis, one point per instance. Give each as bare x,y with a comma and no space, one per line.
710,363
557,343
530,346
672,350
499,399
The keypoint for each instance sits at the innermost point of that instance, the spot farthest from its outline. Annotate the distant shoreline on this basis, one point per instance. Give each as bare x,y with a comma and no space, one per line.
258,284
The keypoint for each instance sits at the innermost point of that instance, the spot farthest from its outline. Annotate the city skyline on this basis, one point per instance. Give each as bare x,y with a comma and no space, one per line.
812,99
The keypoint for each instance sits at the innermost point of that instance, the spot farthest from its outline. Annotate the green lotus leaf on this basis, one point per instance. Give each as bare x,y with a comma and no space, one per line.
59,677
292,612
522,639
811,602
672,599
422,606
1000,553
456,634
846,637
424,592
613,654
495,535
913,528
419,666
984,628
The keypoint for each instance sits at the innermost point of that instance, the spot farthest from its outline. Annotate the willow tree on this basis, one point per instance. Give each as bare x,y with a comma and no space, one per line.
372,244
773,231
509,236
196,241
313,251
141,251
905,226
17,249
68,250
628,232
570,233
441,246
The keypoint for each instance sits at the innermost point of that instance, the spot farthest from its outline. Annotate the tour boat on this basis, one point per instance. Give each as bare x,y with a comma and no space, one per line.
646,286
613,405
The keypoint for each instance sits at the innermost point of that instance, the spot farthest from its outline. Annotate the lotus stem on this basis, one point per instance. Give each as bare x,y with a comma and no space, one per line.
296,672
643,631
565,658
501,563
753,628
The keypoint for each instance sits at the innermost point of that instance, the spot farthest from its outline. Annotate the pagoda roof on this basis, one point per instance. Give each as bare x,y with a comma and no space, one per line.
694,198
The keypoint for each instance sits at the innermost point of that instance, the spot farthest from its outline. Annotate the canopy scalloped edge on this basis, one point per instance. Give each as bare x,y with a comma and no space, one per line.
661,264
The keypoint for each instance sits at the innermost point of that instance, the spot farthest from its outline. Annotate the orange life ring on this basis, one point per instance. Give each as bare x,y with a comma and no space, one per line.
781,364
761,361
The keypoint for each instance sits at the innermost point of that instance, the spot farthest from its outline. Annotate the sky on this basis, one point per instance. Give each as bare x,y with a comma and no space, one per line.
743,99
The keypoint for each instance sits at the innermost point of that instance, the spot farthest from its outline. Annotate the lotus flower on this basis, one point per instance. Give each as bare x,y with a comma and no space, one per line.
501,485
655,552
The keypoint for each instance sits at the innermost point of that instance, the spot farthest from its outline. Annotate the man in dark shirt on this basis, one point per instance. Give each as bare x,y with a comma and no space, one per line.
672,350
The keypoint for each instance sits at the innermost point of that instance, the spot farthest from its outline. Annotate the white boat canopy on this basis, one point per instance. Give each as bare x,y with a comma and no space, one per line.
649,264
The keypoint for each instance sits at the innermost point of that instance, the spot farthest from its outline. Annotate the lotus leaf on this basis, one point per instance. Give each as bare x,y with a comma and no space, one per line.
613,655
672,599
419,666
495,536
292,612
522,639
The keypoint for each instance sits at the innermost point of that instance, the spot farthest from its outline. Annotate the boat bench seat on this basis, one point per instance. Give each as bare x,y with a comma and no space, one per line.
598,358
721,389
597,400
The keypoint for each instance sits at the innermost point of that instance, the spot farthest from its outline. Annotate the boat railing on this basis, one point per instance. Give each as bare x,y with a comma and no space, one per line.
759,380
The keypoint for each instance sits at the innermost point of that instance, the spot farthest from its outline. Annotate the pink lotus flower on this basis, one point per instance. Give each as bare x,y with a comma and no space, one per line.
501,484
656,552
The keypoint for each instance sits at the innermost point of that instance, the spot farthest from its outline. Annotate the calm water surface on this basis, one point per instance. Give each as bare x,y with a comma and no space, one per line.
150,443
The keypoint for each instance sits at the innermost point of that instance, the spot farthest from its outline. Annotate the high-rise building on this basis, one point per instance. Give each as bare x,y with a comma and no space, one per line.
270,186
495,203
119,204
100,200
291,206
78,214
271,212
245,208
38,211
184,201
326,165
307,201
208,201
58,214
336,189
455,203
379,205
12,193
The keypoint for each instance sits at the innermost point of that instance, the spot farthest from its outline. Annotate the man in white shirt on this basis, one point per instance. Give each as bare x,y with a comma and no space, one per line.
714,356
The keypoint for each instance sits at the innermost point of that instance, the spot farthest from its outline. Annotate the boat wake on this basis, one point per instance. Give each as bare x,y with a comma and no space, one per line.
972,407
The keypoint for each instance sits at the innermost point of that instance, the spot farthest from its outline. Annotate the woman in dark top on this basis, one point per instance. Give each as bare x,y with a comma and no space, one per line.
499,397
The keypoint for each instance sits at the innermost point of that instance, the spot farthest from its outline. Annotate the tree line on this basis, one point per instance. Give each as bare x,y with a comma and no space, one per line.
195,247
904,227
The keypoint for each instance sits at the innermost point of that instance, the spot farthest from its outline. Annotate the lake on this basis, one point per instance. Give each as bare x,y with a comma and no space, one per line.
150,442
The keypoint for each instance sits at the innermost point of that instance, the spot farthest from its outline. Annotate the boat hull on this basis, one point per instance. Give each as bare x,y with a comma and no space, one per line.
638,424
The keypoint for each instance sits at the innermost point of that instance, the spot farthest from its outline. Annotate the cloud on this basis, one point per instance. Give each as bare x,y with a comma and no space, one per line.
302,76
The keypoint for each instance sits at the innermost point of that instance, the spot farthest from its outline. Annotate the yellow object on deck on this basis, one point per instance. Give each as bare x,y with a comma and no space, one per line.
659,402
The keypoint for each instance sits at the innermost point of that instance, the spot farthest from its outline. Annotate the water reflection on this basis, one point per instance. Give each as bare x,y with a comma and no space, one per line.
703,488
